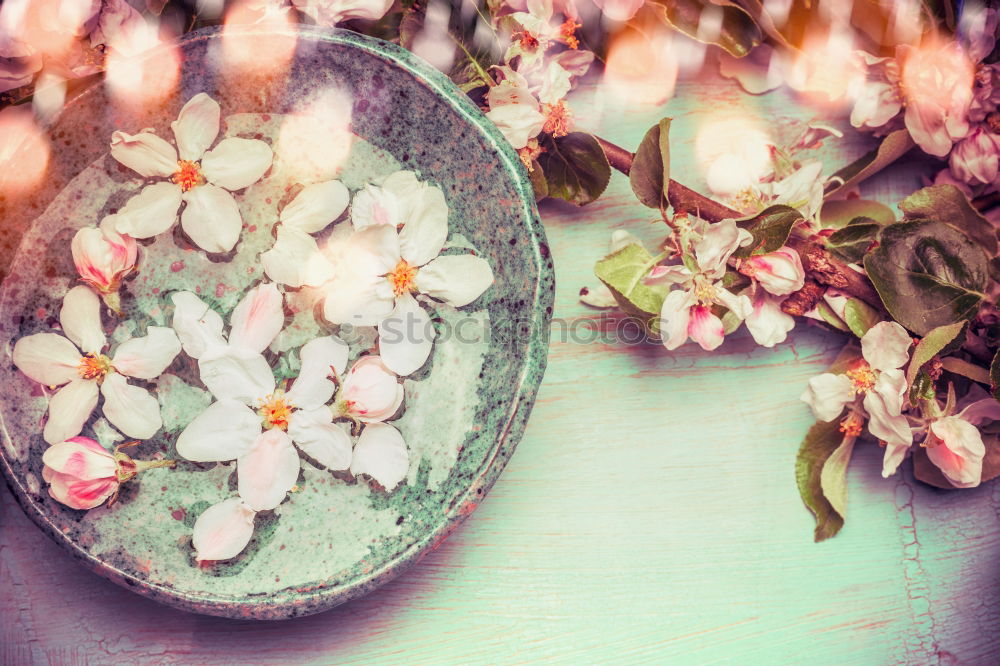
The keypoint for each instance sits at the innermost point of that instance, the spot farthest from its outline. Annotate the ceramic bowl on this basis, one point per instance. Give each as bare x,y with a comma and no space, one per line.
336,538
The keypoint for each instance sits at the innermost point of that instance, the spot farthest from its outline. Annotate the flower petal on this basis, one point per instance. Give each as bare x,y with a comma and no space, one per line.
257,318
405,336
891,386
80,457
425,226
767,323
827,394
981,411
236,163
196,126
381,454
316,206
80,494
517,122
198,326
740,305
705,328
131,409
69,409
320,358
455,279
47,358
224,431
893,429
147,357
323,441
373,206
268,470
675,316
237,373
895,453
886,346
717,244
223,530
151,212
959,453
372,390
211,218
145,153
80,317
295,260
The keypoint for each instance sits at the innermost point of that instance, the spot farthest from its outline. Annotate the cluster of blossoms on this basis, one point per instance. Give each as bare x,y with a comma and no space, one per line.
874,390
383,274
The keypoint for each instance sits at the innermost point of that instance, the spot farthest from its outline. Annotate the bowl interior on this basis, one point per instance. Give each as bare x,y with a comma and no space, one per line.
335,538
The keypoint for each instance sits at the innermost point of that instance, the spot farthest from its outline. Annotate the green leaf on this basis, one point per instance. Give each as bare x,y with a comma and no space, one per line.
838,214
966,369
853,241
948,204
650,171
930,346
820,443
622,273
995,375
833,477
859,316
893,146
928,274
538,183
575,168
737,32
770,229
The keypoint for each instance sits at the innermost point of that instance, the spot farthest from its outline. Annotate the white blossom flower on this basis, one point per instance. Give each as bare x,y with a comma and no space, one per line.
252,421
687,312
295,259
878,378
370,393
78,364
381,454
381,269
202,179
767,322
223,530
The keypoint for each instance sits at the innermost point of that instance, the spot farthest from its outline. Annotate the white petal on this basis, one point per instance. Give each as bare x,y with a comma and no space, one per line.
147,357
257,318
47,358
405,336
237,373
371,390
767,323
675,317
371,251
517,122
738,305
885,346
268,470
131,409
196,126
151,212
224,431
145,153
959,455
211,218
886,426
425,226
375,206
455,279
80,317
891,385
295,260
236,163
320,358
69,409
316,206
718,244
981,411
381,454
198,326
894,454
827,394
223,530
80,457
321,440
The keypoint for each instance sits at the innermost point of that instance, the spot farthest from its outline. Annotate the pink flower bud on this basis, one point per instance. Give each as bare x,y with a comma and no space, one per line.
975,159
81,473
103,256
371,391
779,272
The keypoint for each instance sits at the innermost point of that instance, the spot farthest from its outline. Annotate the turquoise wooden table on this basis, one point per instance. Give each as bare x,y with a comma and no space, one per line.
649,514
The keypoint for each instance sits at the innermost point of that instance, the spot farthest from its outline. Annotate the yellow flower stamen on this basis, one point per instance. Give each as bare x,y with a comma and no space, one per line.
852,424
188,175
402,278
94,366
862,377
275,410
557,119
567,33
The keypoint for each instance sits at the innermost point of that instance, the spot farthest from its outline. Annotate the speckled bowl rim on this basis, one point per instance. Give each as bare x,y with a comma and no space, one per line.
289,603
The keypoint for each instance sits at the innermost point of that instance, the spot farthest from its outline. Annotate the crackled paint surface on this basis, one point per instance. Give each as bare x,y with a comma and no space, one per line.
335,538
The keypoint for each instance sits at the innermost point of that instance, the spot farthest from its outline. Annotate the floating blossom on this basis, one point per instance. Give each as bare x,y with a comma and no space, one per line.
371,392
78,364
295,259
382,269
103,257
381,454
83,474
878,378
687,312
223,530
202,179
937,87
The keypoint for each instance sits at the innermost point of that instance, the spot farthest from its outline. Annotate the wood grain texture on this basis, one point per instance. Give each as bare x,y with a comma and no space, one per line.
650,513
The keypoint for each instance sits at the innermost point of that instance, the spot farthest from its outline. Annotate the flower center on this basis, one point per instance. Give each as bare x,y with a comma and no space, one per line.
188,175
275,410
852,424
862,377
557,119
94,366
531,151
528,41
567,32
704,292
401,277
